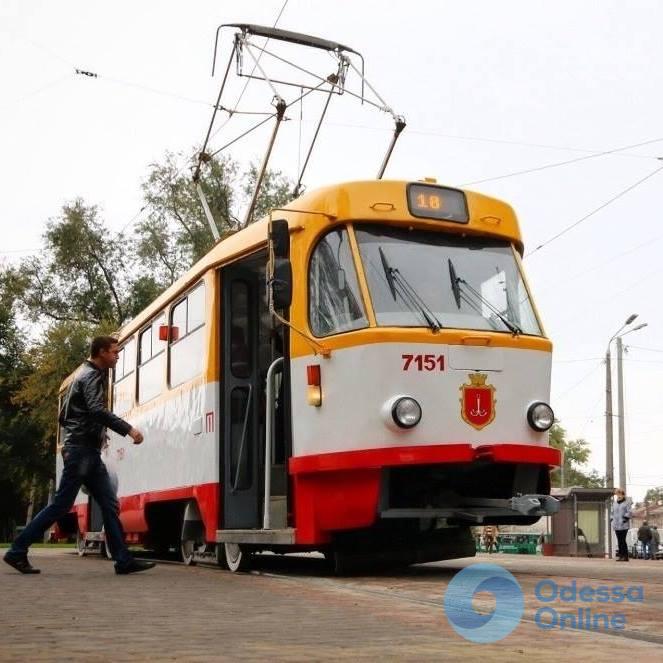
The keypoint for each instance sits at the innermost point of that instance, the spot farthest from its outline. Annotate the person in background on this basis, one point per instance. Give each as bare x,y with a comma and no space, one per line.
645,537
490,537
84,417
655,540
620,519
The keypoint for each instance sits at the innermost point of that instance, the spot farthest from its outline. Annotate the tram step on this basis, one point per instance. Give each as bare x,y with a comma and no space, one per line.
284,536
278,511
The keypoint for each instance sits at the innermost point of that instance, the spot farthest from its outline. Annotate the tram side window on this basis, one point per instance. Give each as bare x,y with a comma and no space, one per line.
151,360
186,343
335,303
123,384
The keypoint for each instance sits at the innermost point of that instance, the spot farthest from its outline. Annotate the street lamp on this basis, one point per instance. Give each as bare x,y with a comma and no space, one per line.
609,468
620,405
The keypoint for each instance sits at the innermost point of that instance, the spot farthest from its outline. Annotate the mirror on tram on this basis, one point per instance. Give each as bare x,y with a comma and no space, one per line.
280,282
279,236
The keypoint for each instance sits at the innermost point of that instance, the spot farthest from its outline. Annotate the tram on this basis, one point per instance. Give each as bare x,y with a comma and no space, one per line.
362,373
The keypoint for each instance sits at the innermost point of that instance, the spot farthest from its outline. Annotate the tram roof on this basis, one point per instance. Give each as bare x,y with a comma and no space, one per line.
371,200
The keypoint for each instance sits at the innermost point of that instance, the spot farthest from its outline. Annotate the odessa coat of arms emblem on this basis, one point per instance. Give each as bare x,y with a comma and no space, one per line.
477,401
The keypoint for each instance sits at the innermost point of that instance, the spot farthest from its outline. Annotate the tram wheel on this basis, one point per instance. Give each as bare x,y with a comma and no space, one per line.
220,555
81,547
237,558
188,552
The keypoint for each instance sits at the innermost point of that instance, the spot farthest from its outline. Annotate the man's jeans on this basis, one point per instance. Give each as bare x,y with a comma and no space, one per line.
82,466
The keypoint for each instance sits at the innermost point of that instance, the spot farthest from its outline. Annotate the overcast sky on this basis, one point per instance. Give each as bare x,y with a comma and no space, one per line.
488,89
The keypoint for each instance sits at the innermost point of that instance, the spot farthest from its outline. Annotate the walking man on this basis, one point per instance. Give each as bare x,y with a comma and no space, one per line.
85,417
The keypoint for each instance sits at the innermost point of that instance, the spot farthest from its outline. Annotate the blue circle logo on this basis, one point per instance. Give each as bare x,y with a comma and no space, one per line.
476,626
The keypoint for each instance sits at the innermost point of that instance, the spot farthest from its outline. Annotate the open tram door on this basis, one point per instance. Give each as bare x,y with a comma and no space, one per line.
252,349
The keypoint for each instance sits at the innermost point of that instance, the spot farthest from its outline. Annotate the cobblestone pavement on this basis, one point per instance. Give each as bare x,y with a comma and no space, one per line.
291,609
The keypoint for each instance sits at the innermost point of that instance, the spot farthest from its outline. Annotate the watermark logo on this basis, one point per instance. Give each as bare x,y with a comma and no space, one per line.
556,606
476,626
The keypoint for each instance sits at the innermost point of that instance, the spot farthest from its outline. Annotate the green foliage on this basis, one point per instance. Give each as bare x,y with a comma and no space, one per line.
62,348
654,495
576,455
22,453
275,190
80,276
175,233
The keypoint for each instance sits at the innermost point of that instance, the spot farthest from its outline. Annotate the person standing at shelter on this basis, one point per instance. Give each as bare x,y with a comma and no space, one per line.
621,518
84,418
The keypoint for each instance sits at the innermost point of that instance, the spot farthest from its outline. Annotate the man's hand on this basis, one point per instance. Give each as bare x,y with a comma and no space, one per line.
136,435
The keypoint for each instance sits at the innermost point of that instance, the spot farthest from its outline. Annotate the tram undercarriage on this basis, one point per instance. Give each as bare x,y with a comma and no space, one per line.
373,518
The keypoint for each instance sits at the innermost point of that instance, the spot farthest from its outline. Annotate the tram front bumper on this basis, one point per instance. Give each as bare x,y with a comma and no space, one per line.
479,510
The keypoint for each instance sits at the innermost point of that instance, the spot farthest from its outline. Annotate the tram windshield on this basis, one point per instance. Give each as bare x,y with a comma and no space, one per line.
422,278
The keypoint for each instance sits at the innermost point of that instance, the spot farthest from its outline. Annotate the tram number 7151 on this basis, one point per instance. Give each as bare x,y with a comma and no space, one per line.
423,362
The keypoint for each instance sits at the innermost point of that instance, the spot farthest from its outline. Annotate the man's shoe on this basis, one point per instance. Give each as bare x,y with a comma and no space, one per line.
134,566
20,563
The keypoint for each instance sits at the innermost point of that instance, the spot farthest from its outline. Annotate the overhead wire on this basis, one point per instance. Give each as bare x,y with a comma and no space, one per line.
639,347
579,382
594,211
562,163
36,91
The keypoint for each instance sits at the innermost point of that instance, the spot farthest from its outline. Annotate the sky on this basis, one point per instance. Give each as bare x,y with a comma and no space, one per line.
553,107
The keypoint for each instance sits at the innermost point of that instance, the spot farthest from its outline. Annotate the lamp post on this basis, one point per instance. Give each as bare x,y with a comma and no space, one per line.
609,451
620,404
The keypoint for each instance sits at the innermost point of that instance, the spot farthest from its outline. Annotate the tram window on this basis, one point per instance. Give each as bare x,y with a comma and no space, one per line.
151,362
123,389
186,344
241,360
409,273
178,321
195,309
335,303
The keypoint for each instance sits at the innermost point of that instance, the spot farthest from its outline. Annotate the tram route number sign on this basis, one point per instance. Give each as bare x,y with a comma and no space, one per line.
429,201
423,362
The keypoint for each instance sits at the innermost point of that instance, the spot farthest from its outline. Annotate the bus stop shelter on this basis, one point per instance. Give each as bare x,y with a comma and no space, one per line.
581,527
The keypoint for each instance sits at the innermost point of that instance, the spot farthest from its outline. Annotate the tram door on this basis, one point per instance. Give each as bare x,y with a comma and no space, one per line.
242,398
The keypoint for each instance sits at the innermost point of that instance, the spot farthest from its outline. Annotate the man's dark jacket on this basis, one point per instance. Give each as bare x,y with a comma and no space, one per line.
644,533
83,412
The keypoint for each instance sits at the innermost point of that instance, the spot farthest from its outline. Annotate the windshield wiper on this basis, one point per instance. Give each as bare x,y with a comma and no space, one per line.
457,281
454,283
407,293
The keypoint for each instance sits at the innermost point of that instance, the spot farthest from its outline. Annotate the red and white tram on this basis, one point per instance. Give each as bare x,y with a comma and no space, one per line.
386,391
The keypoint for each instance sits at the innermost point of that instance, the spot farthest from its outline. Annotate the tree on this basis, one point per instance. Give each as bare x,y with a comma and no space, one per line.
575,454
81,274
175,233
62,348
22,456
275,190
654,495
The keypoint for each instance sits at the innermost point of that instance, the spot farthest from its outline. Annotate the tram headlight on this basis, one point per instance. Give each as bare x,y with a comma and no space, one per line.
540,416
406,412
